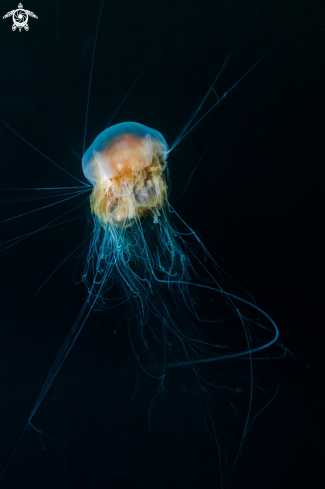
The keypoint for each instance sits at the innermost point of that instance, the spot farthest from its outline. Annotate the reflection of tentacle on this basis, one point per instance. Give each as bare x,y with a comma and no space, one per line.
26,27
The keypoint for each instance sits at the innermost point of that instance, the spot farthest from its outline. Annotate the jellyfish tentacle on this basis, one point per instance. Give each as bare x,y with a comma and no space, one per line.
183,135
124,99
42,154
57,364
20,238
42,197
179,137
91,75
45,206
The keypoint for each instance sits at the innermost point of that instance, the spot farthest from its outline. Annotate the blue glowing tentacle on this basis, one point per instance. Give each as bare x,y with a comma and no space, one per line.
213,106
183,339
42,154
91,75
39,188
61,357
46,386
81,192
69,220
41,433
250,396
157,377
45,281
262,409
200,159
124,99
181,335
54,271
41,197
75,153
216,265
20,238
231,355
214,431
201,103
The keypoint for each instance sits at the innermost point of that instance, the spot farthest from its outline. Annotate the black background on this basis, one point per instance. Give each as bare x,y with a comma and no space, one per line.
255,199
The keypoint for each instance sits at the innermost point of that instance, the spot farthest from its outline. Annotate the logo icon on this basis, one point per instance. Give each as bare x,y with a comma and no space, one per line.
20,18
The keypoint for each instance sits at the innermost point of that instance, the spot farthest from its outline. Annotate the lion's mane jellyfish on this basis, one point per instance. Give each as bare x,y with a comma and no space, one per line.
136,248
142,260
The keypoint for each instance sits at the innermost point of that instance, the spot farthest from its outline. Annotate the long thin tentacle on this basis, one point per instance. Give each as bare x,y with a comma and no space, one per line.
91,75
42,154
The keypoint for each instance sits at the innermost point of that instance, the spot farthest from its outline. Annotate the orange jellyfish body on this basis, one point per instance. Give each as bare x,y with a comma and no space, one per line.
125,163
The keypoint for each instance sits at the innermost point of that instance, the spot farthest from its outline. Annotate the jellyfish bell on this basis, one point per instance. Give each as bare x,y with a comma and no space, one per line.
126,164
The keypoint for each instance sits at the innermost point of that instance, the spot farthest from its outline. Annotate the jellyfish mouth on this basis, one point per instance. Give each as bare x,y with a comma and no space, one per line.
120,201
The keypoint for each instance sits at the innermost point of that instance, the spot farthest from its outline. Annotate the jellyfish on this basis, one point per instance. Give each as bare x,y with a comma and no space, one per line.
184,316
145,259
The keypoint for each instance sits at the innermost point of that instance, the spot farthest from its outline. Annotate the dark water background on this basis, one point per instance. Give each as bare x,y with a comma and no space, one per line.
255,199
